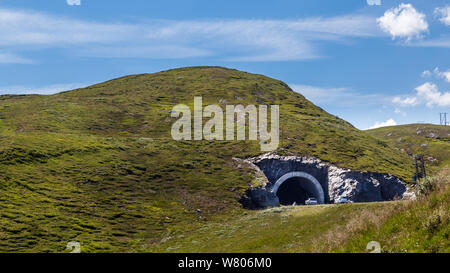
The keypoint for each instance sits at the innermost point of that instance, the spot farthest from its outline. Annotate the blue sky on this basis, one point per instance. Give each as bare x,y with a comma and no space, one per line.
370,62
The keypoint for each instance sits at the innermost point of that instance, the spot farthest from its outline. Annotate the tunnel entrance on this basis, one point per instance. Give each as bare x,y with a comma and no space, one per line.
293,191
298,187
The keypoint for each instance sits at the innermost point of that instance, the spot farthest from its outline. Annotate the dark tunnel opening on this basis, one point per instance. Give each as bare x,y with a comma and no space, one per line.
296,189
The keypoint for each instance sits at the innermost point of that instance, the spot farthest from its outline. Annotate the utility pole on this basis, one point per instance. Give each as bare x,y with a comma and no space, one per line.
443,118
419,163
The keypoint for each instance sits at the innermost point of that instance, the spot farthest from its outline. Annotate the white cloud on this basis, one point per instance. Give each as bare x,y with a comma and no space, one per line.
43,90
9,58
444,14
445,74
426,74
430,93
389,122
373,2
438,73
427,93
410,101
250,40
403,21
74,2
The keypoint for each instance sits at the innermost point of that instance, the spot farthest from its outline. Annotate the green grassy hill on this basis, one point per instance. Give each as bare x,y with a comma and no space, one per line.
97,165
433,141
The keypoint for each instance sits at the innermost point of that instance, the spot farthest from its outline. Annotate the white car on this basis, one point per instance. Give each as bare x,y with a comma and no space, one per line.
342,200
311,201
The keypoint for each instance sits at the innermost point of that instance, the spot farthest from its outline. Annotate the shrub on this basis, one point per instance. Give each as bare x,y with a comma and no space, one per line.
432,224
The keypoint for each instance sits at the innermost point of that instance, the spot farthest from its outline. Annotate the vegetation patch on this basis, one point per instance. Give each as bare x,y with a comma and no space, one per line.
97,165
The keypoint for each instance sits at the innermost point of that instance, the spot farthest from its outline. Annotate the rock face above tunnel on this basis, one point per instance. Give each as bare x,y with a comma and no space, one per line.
365,186
336,182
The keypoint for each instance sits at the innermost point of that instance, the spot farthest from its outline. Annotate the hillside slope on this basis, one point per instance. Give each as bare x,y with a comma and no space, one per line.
97,165
433,141
422,225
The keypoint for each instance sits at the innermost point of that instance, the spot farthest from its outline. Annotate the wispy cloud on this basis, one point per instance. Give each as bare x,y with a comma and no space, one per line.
73,2
9,58
438,73
43,90
399,112
405,101
444,14
154,52
426,74
340,96
442,74
374,2
234,40
438,42
21,28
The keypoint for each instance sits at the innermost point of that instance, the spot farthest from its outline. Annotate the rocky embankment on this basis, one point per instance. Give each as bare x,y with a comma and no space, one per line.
336,182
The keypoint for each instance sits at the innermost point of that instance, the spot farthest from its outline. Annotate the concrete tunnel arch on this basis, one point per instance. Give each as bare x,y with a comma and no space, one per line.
314,185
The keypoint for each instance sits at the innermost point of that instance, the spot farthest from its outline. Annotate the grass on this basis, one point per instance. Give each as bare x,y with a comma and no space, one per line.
433,141
283,229
399,226
97,165
417,226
